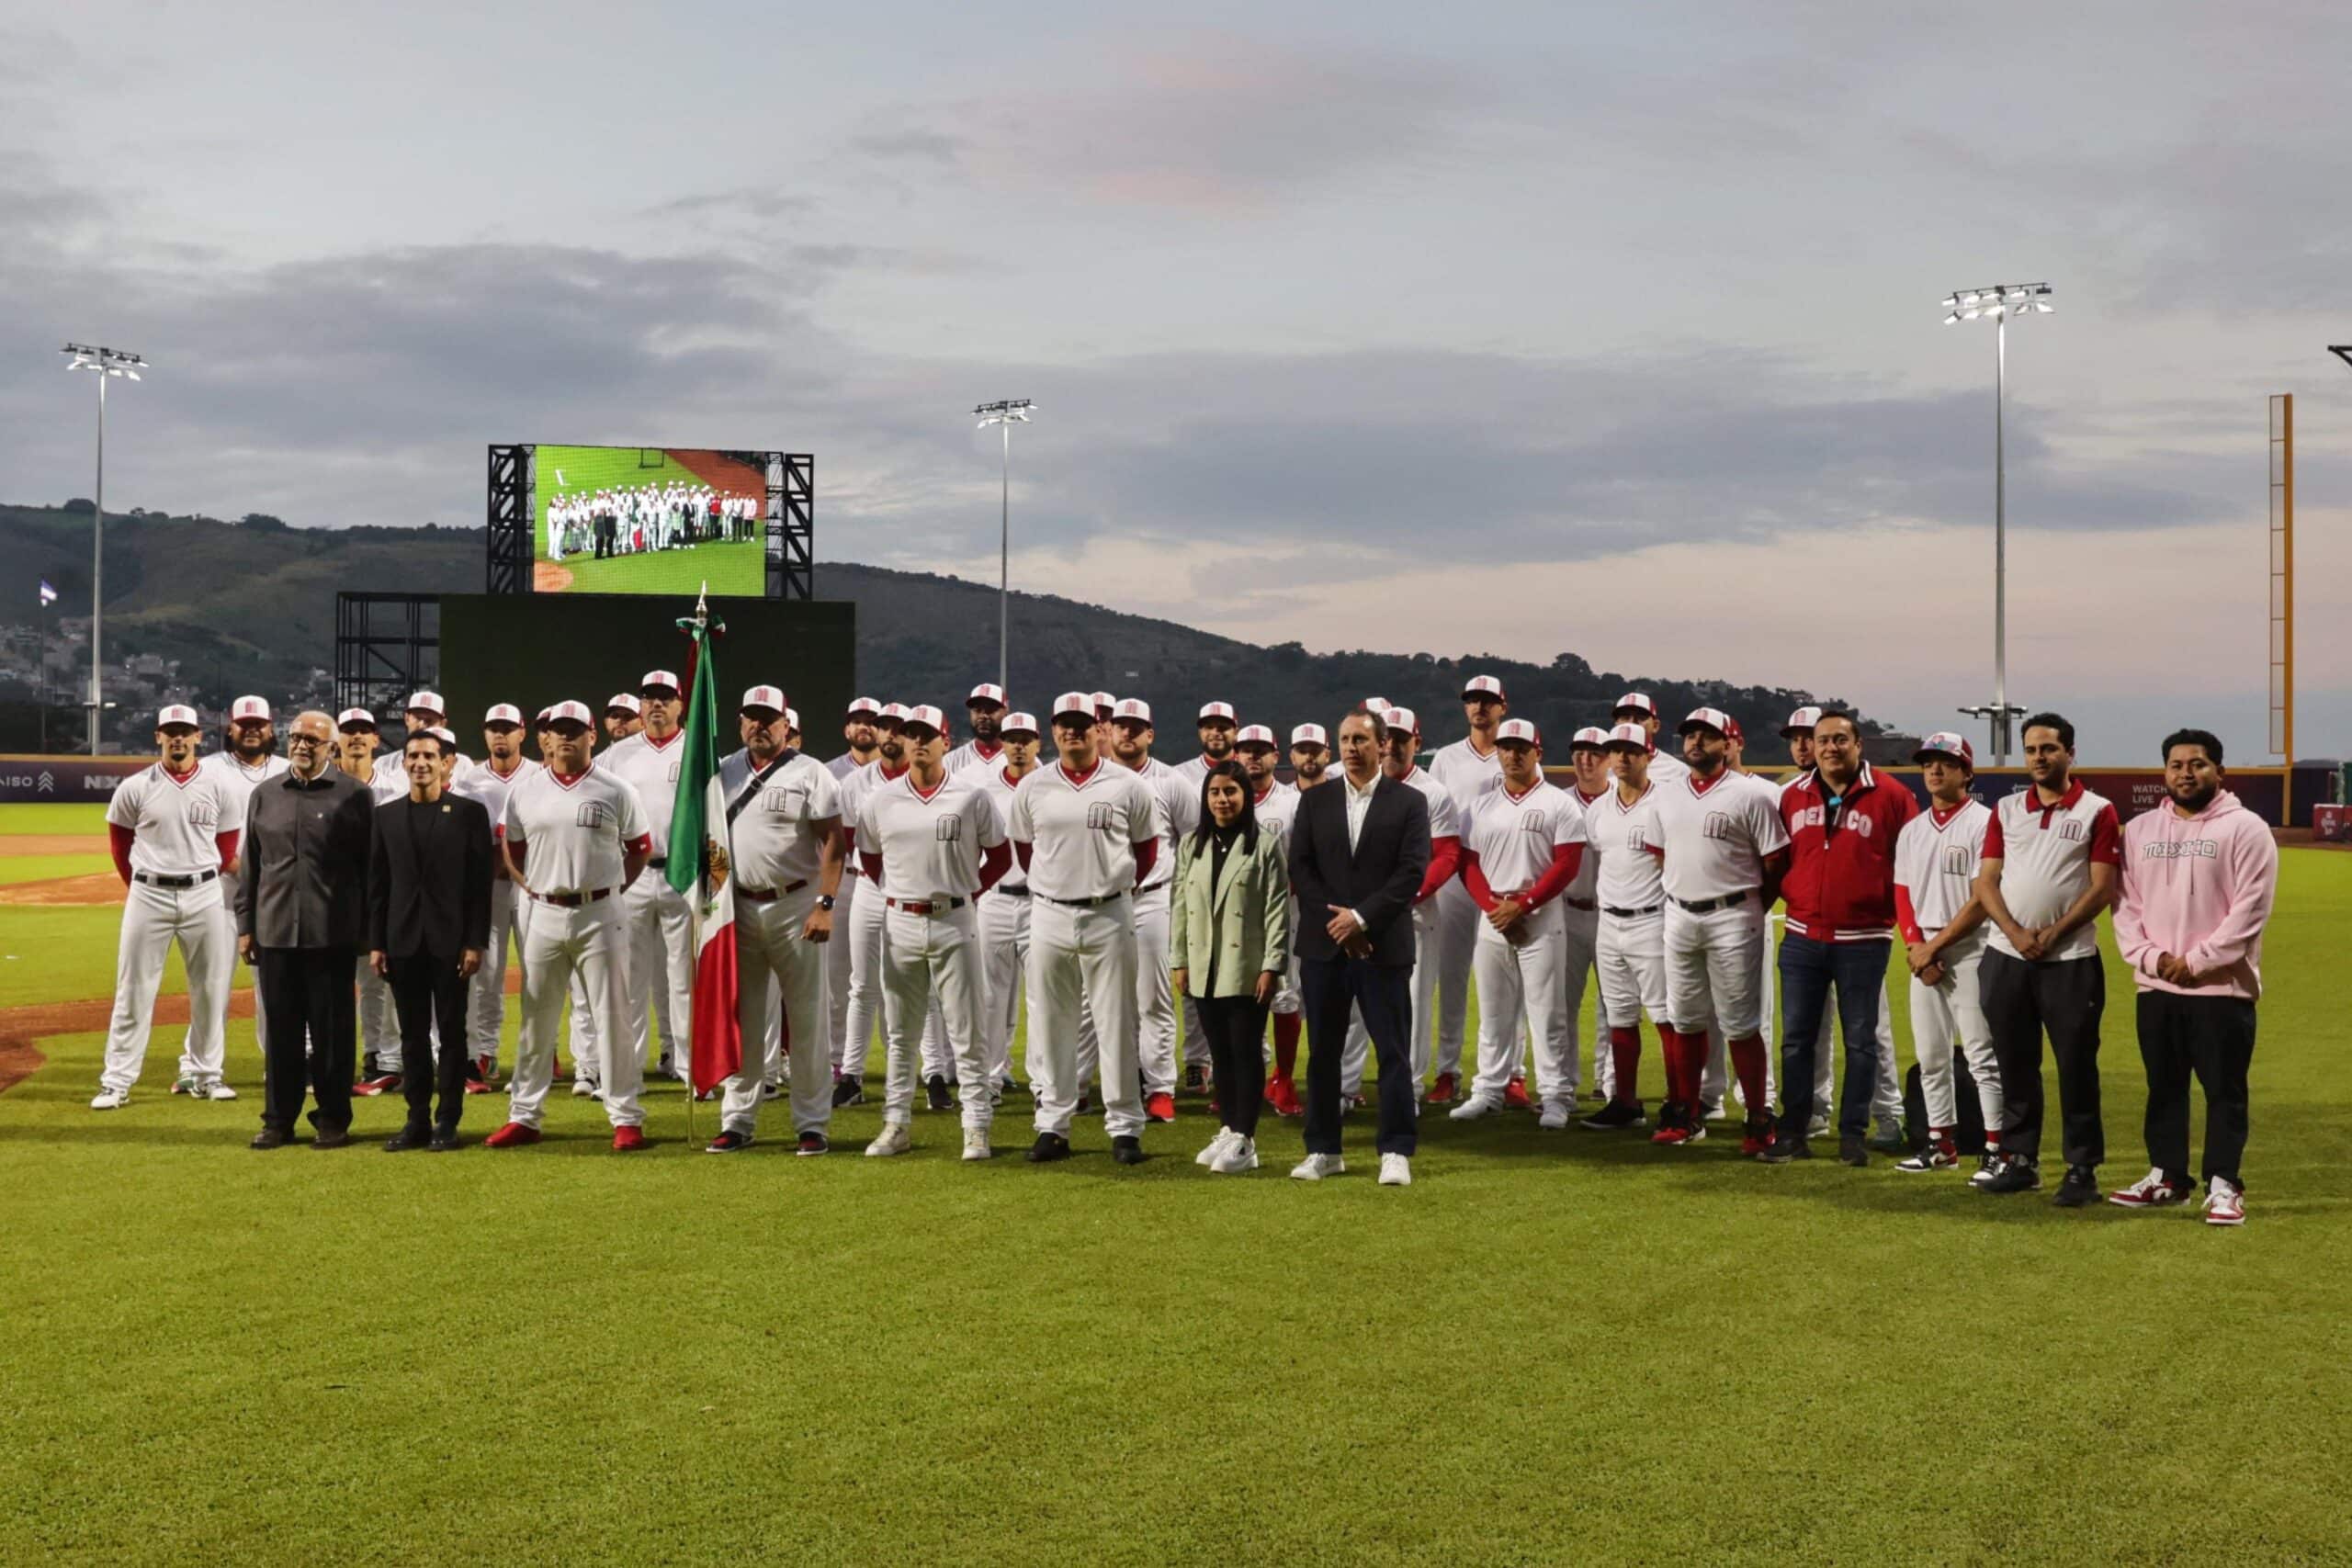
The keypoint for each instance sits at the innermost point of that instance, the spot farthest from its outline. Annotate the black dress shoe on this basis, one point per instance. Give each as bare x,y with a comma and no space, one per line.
331,1138
1049,1147
1128,1150
2079,1187
409,1137
1851,1150
935,1092
443,1140
269,1138
1783,1149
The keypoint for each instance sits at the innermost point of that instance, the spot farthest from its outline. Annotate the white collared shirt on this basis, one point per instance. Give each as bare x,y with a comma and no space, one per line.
1359,806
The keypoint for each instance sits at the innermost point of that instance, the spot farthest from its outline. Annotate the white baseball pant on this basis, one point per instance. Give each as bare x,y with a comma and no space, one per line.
486,992
1940,1014
1356,1055
1584,960
1631,956
923,954
863,1007
1083,956
837,954
228,918
1525,981
1457,934
1714,964
153,919
783,982
1004,947
662,972
380,1035
592,942
1155,997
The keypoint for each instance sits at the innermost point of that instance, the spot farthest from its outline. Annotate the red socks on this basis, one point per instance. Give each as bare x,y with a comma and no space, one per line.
1748,1061
1625,1052
1682,1067
1286,1027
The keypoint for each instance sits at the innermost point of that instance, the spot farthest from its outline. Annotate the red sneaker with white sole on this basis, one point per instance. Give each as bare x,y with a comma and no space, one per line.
1515,1095
1447,1090
1756,1137
514,1136
627,1138
386,1083
1282,1094
1159,1107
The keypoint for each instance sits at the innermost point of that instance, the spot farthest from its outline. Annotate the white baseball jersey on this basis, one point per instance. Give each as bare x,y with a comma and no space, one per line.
843,766
1082,828
1276,810
773,841
1626,837
1514,835
930,841
1936,858
1466,774
486,784
1000,791
971,755
1667,768
1583,889
2046,855
851,791
178,818
1715,835
1179,815
226,764
574,830
1446,818
652,768
1192,770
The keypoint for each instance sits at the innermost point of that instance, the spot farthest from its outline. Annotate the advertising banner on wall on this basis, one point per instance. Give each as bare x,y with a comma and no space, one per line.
32,781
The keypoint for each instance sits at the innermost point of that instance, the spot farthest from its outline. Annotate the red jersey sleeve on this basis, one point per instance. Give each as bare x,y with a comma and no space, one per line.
1992,850
2106,838
1557,876
120,838
1446,858
1474,877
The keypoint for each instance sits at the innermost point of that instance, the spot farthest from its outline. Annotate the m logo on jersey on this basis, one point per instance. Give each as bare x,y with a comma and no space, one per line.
1718,825
2072,831
1535,822
783,802
1103,817
1635,839
1960,860
203,814
949,829
592,814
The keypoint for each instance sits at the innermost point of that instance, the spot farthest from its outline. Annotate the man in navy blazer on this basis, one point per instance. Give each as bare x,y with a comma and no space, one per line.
1359,847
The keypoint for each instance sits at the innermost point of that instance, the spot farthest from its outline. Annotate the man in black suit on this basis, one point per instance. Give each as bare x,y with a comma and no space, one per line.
1358,850
428,924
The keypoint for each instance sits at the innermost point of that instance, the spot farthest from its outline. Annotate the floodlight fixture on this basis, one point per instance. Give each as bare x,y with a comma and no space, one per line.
108,364
1004,413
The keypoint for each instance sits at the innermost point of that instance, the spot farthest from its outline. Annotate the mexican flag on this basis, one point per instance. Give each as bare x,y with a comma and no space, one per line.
700,813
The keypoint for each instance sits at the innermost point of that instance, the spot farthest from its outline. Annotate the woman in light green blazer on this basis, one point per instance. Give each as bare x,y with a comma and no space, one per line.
1228,922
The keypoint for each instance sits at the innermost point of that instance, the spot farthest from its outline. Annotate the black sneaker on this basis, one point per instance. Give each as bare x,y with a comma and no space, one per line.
2018,1174
2080,1187
728,1142
443,1140
1615,1114
848,1091
935,1093
408,1138
1851,1150
269,1138
1197,1078
1782,1149
331,1138
813,1143
1127,1150
1988,1166
1049,1147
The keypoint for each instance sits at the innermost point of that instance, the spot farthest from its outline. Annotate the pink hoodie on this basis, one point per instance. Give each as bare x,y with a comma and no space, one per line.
2198,887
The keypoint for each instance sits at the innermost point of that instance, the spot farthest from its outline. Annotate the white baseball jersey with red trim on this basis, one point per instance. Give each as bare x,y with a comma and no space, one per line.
1082,828
1276,810
486,786
1179,814
1514,835
1584,890
1467,775
574,830
226,764
774,840
1935,857
179,821
971,755
1000,790
652,768
2046,855
930,841
1445,817
1628,839
1715,834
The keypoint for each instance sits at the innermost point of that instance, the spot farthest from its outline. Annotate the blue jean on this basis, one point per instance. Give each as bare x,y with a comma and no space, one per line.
1809,969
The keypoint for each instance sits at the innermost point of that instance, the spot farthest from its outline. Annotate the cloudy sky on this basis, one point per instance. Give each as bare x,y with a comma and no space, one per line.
1518,328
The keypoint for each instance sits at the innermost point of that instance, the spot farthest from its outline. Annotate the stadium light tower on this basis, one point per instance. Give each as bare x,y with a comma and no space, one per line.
108,363
1004,413
1999,302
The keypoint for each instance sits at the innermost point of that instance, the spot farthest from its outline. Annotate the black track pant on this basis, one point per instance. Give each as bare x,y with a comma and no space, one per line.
2063,999
2212,1039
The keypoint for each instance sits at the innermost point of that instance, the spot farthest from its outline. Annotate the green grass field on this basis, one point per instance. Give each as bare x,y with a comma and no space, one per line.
1553,1347
731,569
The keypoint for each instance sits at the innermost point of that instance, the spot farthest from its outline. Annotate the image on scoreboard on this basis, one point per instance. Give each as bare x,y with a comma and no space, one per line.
647,520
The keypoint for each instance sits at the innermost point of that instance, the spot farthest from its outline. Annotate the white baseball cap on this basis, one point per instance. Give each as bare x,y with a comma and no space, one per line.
863,705
349,717
1482,687
791,719
1311,735
1638,701
444,735
1517,729
894,710
249,707
430,702
1135,708
1801,722
1946,743
1591,735
624,701
769,697
542,720
927,715
577,713
986,692
178,713
1216,710
503,713
1707,718
1630,737
1018,724
1102,700
1375,705
654,680
1071,703
1405,719
1254,735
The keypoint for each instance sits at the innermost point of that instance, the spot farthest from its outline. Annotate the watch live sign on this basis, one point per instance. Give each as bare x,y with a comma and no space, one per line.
26,781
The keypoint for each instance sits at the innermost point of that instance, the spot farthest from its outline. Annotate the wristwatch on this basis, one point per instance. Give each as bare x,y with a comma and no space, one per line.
824,901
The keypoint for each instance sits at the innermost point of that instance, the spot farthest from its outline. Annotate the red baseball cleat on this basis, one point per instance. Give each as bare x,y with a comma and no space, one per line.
514,1136
627,1138
1673,1125
1283,1095
1159,1107
1447,1090
382,1084
1515,1095
1757,1137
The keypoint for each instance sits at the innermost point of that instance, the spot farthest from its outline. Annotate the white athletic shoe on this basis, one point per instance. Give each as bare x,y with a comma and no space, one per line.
1477,1105
110,1100
583,1089
1239,1155
1225,1137
1396,1170
893,1141
2224,1203
216,1088
1315,1168
187,1084
1555,1119
975,1144
1819,1127
1711,1111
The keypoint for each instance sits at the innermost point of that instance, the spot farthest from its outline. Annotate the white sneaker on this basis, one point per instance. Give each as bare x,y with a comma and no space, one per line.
1225,1138
1239,1155
583,1089
1819,1127
1711,1111
1315,1168
893,1141
1477,1105
110,1100
188,1085
1396,1170
216,1088
975,1144
1555,1119
2224,1203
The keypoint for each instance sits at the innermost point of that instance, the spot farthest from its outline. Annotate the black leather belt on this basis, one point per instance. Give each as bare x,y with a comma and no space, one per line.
1020,891
769,895
1616,914
1708,906
177,884
925,906
1587,905
1081,902
573,900
657,864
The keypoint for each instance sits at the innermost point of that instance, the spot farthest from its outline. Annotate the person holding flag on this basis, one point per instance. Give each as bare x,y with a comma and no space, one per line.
772,820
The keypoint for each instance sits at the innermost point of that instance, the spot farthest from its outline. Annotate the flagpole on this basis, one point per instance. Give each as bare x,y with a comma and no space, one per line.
694,905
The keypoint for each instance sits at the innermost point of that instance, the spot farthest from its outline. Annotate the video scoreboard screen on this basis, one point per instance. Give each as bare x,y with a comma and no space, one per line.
647,520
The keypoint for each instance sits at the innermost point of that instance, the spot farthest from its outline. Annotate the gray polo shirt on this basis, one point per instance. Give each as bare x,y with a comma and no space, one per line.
304,878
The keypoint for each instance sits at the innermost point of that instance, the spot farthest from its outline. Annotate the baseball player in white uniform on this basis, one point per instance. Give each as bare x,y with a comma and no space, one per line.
1275,804
1400,761
249,757
985,707
932,844
574,838
787,849
1178,813
1523,848
174,830
503,764
1636,708
1630,942
623,717
1715,1082
1937,857
865,1010
858,730
355,742
657,918
1725,852
1004,909
1589,762
1087,831
1468,769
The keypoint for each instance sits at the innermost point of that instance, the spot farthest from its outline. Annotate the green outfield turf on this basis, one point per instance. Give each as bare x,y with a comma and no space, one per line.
732,568
18,820
1552,1348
